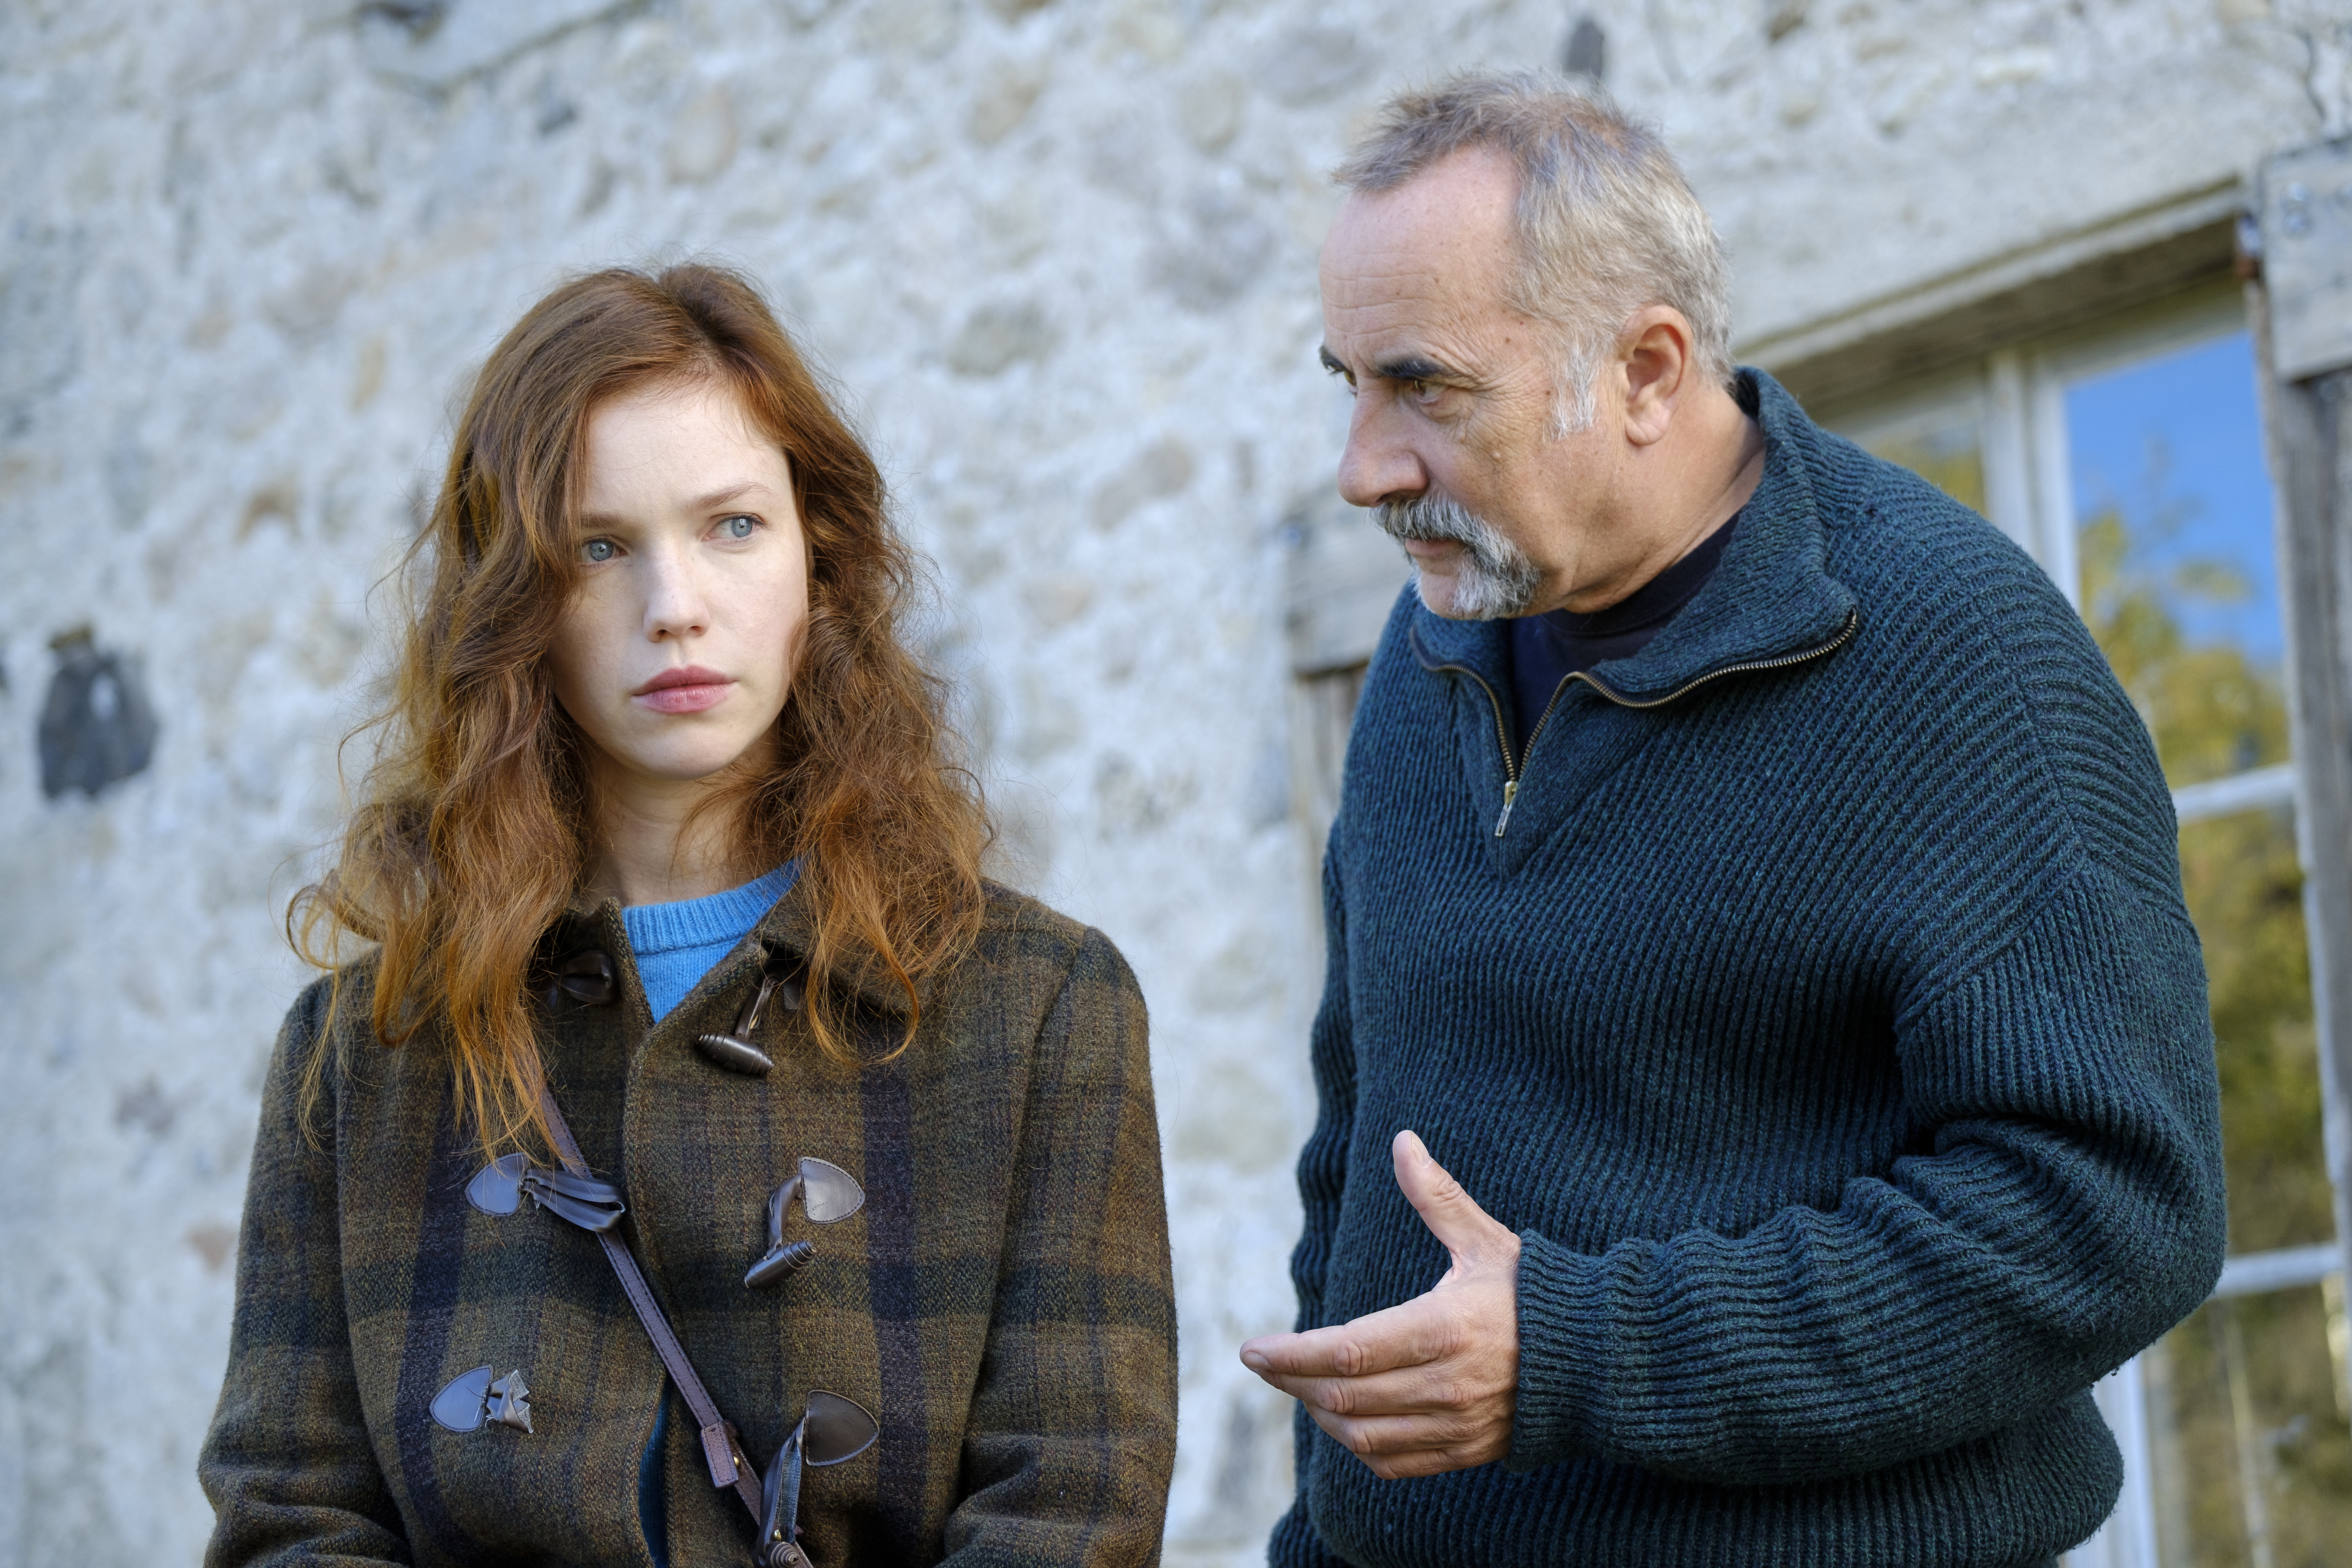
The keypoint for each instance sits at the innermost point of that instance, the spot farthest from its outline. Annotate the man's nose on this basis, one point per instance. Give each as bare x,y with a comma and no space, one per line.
1376,464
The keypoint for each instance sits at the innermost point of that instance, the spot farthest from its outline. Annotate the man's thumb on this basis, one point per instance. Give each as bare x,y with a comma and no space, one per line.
1450,1213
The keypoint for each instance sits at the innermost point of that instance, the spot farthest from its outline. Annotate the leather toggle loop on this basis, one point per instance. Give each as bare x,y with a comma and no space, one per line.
831,1430
462,1404
828,1195
472,1400
584,978
780,971
512,1401
498,1188
590,1204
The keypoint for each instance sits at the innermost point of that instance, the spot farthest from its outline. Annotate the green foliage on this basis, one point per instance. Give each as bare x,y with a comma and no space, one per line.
1948,458
2241,1391
2244,1394
2214,711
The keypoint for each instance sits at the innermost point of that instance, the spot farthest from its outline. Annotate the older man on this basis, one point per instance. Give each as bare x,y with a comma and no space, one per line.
1752,886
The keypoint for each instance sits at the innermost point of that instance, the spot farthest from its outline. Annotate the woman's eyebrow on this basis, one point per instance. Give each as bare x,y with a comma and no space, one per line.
707,501
724,494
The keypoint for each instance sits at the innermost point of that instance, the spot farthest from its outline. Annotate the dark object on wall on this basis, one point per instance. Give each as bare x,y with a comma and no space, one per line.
96,726
423,18
1587,50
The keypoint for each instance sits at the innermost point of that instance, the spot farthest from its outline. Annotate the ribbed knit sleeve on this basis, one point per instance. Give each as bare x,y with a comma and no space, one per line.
2067,1212
1322,1181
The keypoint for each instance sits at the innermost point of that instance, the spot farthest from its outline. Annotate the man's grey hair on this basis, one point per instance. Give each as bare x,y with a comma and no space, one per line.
1606,222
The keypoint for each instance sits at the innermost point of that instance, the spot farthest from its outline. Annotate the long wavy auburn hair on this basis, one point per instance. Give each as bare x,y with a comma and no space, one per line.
476,823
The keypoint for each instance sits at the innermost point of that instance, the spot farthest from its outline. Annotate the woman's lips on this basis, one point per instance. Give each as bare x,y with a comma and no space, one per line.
688,690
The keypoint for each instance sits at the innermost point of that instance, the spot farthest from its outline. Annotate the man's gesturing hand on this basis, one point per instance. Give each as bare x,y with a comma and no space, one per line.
1428,1385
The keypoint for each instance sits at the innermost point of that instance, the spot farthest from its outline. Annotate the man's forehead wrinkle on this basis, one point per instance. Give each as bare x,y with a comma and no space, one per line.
1384,291
1369,337
1389,279
1412,291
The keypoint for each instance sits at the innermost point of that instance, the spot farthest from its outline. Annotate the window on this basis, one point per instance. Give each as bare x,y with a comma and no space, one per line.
2129,459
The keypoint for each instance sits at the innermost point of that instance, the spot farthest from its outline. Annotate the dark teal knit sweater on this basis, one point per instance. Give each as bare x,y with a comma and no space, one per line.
1825,1019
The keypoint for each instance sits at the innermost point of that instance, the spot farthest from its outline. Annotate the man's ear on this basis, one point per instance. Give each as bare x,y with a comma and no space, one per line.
1656,351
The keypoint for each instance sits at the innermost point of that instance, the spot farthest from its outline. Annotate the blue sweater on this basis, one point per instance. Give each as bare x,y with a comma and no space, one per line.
1825,1017
676,944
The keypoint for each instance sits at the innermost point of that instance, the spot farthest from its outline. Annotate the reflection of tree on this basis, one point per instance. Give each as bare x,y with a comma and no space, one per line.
2257,1395
2251,1396
1949,456
2214,711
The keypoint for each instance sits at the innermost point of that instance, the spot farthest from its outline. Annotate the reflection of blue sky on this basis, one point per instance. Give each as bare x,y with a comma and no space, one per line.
2176,443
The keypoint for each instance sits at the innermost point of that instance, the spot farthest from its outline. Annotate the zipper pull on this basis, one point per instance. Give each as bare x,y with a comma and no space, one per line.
1510,795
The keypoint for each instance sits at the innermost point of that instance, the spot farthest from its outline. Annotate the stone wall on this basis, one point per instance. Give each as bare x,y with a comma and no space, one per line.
1061,252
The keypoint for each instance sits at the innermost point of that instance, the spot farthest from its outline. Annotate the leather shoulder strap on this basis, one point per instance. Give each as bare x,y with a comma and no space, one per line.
722,1446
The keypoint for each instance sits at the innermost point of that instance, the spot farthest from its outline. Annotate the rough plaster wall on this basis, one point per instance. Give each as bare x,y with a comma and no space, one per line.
1867,148
1062,252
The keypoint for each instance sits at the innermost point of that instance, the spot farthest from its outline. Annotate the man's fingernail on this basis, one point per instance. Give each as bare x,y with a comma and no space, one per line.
1253,1361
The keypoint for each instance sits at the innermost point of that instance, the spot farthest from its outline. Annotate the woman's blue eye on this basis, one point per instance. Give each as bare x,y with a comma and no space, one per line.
598,549
739,527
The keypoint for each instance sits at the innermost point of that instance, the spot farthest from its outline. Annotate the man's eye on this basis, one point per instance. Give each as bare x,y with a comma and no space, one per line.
598,549
1424,391
739,527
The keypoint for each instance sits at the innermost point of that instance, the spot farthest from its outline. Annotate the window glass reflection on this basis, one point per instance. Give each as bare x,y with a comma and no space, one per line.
2252,1435
2181,590
1943,445
2179,582
2245,894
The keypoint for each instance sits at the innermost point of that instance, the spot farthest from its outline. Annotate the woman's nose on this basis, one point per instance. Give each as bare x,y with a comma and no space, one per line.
676,603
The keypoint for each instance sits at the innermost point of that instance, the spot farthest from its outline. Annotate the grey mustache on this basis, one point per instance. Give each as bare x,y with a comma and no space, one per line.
1428,517
1497,579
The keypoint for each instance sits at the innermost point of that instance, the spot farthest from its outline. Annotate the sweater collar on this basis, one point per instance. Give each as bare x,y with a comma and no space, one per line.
1770,597
790,925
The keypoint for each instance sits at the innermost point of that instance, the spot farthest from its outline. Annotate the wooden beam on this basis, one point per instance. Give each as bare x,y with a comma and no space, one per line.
2306,229
2309,429
1340,578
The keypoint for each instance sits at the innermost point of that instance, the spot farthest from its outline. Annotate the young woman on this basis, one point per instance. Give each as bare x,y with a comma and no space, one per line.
703,1163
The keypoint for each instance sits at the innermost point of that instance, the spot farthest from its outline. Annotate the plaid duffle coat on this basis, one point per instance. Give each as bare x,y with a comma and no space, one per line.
1001,1303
